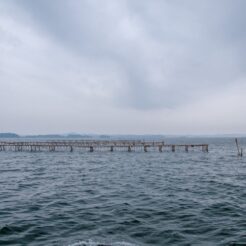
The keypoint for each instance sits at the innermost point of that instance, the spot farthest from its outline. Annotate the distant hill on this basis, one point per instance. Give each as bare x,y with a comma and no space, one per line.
9,135
82,136
43,136
147,137
57,136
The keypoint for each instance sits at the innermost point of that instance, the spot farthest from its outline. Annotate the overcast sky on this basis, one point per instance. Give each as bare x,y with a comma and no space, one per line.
125,66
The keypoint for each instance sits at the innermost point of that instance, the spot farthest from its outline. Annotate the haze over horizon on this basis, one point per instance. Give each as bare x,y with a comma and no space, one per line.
123,67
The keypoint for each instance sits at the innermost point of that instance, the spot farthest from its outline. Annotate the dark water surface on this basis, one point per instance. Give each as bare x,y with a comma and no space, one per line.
121,198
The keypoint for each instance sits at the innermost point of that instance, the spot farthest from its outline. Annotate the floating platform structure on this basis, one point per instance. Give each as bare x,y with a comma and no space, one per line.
97,145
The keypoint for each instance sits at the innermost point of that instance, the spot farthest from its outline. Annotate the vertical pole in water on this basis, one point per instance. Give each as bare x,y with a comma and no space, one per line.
145,148
111,148
173,148
186,148
129,149
238,150
91,149
206,148
160,148
71,148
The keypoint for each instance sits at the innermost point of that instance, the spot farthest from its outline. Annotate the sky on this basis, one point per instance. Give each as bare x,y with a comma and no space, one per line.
123,67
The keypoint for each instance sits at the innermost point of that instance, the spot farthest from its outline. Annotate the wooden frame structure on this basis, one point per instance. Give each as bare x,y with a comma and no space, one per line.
96,145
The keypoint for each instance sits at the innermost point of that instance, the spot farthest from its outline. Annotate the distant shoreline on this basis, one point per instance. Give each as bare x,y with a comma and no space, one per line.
116,136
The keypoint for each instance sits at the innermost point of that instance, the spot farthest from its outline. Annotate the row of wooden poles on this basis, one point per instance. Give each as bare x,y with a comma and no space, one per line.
92,145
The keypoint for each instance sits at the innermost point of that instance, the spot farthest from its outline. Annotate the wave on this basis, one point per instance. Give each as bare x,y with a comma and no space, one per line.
91,243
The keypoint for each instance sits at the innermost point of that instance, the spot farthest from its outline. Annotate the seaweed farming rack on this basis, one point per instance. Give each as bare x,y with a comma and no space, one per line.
97,145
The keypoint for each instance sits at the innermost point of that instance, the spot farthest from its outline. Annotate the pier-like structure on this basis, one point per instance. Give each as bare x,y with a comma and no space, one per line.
97,145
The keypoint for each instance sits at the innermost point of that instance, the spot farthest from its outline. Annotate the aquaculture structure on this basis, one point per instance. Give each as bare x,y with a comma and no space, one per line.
97,145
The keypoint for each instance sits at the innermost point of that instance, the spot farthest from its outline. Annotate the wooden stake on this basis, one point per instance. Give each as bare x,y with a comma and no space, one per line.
239,153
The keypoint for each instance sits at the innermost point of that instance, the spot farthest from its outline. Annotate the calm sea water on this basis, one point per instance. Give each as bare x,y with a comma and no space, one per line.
121,198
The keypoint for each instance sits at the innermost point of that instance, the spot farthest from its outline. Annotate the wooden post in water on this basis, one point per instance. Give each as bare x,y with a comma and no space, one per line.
91,149
186,148
112,148
206,147
173,148
145,148
239,153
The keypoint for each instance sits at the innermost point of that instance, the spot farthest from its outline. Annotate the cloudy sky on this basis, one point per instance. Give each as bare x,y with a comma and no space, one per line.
125,66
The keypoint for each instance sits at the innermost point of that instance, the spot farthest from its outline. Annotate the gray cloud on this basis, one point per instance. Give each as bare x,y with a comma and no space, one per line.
131,57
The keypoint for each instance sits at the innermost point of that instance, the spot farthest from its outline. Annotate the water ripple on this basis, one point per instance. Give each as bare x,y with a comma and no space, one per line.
123,199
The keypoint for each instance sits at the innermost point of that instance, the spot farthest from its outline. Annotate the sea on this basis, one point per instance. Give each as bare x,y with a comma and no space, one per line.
125,199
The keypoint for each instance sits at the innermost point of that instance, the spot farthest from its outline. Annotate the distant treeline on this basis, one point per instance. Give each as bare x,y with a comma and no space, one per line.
55,136
9,135
84,136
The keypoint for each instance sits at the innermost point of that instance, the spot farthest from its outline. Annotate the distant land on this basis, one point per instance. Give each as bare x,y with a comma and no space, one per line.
9,135
115,136
14,135
81,136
